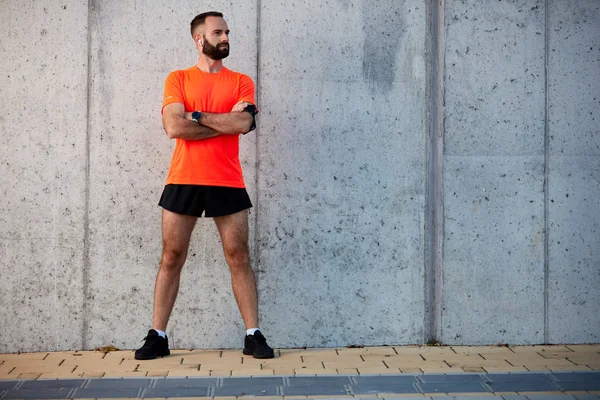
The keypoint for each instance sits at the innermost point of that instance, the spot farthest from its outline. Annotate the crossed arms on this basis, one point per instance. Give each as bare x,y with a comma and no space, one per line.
178,123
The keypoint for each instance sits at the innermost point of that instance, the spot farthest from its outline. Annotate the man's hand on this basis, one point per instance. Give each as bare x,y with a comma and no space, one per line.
239,107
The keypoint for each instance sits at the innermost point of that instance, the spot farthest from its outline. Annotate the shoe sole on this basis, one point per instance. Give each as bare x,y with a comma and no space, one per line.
249,353
151,358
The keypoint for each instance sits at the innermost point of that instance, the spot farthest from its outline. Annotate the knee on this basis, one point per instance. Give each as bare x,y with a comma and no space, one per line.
237,256
173,259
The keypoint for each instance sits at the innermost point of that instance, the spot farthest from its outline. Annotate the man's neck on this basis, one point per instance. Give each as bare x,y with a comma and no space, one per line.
209,65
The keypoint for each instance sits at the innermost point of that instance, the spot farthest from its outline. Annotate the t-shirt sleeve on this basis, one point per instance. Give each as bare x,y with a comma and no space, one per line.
246,89
173,90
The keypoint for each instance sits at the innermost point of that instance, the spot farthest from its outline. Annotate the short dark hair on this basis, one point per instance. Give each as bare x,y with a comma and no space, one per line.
200,18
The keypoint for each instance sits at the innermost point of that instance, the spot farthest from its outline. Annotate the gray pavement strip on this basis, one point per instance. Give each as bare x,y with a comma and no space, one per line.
453,387
375,388
440,378
399,379
118,383
408,398
315,380
577,376
514,397
315,390
7,385
186,382
478,398
578,385
522,386
106,393
551,397
176,392
312,386
54,384
246,391
258,381
37,394
518,377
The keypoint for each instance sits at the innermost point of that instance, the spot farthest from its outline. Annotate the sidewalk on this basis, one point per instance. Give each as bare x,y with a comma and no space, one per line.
420,371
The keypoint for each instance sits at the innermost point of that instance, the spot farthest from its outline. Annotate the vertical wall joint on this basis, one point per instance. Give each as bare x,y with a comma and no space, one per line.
435,205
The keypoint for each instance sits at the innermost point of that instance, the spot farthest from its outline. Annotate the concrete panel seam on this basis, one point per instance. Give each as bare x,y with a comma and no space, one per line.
546,172
86,207
435,207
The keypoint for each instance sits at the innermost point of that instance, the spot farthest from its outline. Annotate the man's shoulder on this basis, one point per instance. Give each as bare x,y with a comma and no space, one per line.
181,72
236,73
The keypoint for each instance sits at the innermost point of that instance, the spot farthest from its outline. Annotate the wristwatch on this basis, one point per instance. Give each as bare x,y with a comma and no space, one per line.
196,116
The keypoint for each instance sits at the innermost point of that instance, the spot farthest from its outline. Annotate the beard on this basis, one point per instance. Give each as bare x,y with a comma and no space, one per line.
217,52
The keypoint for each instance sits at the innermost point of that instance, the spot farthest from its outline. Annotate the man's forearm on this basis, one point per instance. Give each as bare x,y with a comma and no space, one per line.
227,123
187,129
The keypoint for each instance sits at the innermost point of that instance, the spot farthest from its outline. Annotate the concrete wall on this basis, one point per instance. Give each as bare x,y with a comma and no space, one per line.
338,171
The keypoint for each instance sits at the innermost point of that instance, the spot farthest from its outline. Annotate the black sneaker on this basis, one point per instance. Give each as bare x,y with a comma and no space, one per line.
256,345
155,346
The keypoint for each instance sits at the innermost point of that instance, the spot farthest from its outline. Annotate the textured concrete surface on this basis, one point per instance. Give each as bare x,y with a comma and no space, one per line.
129,158
337,170
574,177
43,87
341,172
494,234
493,290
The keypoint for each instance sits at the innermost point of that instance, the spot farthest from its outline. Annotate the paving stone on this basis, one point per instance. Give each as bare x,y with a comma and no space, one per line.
522,386
586,397
519,377
578,385
53,384
118,383
477,397
258,381
452,387
176,392
314,390
577,376
514,397
37,394
403,398
375,388
263,390
106,393
7,385
186,383
440,378
558,396
400,379
310,380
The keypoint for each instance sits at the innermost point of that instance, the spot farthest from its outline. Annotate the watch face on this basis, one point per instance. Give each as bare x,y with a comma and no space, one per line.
195,116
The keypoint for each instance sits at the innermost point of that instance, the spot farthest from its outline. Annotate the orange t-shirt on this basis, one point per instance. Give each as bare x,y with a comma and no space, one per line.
213,161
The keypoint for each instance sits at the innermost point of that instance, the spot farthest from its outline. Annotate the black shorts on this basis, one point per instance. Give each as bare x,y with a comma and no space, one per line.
214,201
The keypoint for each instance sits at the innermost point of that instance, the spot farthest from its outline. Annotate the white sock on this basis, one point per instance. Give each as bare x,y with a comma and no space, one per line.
251,331
162,334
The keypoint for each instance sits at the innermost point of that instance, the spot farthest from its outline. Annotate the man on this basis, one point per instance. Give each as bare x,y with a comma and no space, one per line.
206,108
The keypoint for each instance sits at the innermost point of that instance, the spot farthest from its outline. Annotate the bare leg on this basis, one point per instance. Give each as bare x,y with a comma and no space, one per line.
177,230
234,236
